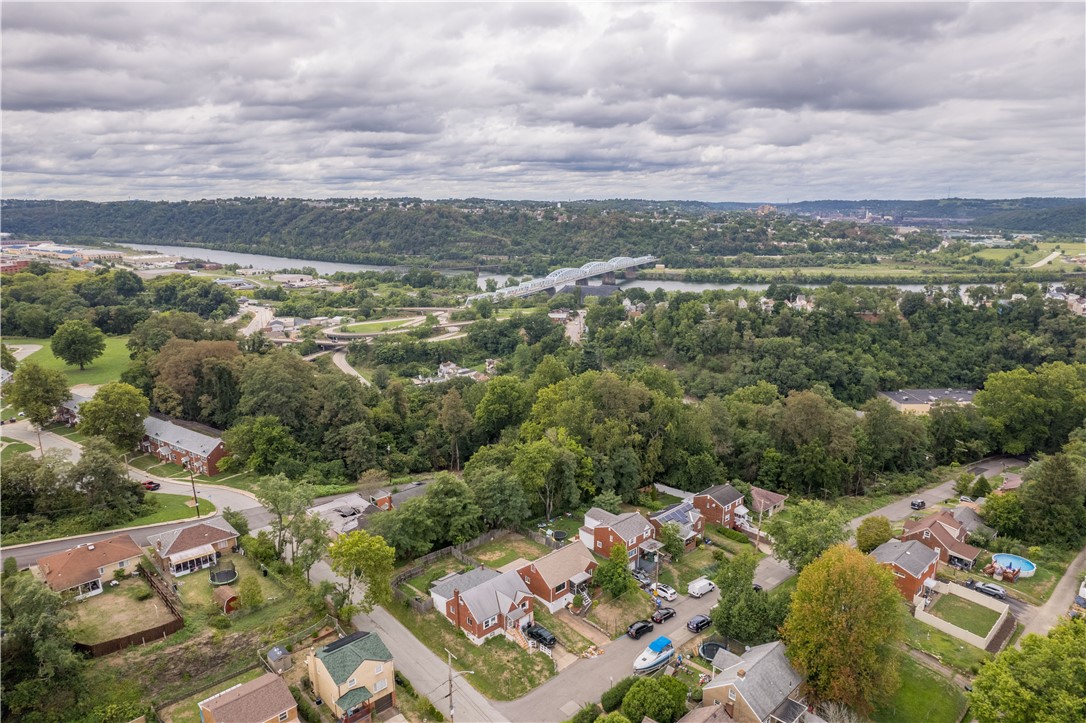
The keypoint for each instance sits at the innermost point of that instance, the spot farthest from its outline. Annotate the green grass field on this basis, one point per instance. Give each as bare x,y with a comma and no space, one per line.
923,696
106,368
13,447
966,614
943,647
170,508
370,327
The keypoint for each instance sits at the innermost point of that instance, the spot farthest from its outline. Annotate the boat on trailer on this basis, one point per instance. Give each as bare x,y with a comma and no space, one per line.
657,655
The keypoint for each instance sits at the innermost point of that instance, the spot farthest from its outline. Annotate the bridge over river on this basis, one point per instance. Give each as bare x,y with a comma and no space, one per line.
561,277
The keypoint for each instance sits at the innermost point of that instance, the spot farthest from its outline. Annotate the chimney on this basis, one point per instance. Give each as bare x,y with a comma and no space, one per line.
741,674
158,544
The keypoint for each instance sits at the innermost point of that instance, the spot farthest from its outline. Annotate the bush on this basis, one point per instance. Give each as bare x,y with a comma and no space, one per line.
144,593
734,535
305,711
403,685
696,695
612,699
118,575
219,622
588,714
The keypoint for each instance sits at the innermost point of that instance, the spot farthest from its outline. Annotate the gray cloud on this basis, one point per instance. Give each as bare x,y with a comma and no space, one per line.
752,101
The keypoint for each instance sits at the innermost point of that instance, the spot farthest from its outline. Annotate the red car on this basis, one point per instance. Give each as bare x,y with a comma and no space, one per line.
150,484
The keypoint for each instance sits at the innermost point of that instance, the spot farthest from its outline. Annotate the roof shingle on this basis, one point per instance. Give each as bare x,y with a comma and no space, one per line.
258,700
343,657
79,565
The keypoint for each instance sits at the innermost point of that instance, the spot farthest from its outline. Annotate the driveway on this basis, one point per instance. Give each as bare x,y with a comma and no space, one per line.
1062,596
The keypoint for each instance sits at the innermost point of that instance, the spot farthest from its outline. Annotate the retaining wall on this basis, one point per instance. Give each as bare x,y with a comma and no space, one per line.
971,595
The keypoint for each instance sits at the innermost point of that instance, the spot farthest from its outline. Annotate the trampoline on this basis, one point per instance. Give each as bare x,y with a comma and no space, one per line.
223,575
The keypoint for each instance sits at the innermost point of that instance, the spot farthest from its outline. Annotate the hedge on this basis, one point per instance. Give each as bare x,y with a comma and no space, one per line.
612,699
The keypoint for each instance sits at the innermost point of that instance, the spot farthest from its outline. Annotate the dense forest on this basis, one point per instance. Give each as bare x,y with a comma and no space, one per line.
519,237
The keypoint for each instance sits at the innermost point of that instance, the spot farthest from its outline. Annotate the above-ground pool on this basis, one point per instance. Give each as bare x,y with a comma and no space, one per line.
1027,567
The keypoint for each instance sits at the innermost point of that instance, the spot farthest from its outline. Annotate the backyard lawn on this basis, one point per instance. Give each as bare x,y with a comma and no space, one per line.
966,614
945,648
503,671
923,696
420,583
1051,565
693,565
117,611
196,592
572,640
504,550
106,368
614,615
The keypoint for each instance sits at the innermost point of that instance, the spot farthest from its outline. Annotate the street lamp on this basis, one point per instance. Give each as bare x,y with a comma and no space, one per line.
193,481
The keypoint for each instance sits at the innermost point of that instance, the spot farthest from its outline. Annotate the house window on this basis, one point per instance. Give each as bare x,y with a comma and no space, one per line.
599,544
927,534
283,715
352,683
101,571
560,588
381,685
380,668
122,563
490,622
731,694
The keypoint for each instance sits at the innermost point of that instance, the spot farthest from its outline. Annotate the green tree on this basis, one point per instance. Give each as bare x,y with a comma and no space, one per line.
7,359
409,528
1034,411
456,421
812,528
503,405
608,500
237,520
104,482
613,717
845,590
1041,681
360,556
742,612
284,500
1004,513
981,488
501,499
452,507
671,537
38,392
654,698
250,594
42,675
1054,502
613,574
258,443
308,540
78,342
872,532
116,413
963,484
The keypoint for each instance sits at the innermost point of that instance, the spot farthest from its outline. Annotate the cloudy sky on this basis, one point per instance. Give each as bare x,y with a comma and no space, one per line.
716,102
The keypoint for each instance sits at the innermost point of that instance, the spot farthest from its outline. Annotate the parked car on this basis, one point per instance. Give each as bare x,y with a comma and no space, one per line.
663,614
150,484
639,628
541,635
918,504
700,587
642,579
698,623
990,589
965,498
661,590
757,587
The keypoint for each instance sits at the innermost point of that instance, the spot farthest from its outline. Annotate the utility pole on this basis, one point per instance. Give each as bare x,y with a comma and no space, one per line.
452,708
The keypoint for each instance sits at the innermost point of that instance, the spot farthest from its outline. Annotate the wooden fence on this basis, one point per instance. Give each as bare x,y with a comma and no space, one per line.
425,603
150,635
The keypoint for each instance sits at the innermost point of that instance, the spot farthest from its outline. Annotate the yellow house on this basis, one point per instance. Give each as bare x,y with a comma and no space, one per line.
354,676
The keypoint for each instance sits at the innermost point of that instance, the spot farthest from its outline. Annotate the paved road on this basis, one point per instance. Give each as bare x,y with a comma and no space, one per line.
340,360
1062,596
24,431
1047,259
262,316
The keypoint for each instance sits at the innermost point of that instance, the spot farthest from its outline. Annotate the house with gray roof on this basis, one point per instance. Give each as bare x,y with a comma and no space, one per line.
68,411
720,505
686,516
484,603
184,445
192,547
912,563
602,530
259,701
344,513
354,676
971,521
761,685
919,401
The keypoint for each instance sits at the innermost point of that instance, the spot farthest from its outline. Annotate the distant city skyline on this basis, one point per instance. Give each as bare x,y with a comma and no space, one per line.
746,102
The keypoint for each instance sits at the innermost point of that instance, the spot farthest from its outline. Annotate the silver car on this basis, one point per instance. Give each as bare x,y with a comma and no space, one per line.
990,589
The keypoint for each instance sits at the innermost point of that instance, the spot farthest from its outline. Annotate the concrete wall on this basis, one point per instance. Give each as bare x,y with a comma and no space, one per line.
973,596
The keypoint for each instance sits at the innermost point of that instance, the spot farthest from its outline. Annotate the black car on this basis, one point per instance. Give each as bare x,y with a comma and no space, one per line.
639,628
663,614
698,623
541,635
918,504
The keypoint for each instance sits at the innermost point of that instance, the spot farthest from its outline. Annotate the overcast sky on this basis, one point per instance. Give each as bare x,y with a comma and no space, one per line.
744,102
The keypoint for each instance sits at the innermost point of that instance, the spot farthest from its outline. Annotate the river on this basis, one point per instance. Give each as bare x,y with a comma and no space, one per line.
276,263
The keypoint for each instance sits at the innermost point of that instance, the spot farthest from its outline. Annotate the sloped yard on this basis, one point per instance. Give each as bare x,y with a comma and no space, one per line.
614,615
506,549
117,611
923,696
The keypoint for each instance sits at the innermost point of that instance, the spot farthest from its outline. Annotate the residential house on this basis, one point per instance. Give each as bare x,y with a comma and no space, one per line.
690,521
557,576
602,530
1011,483
198,452
945,535
68,411
968,518
719,504
264,700
82,570
484,603
919,401
344,513
354,676
382,499
193,547
760,685
912,563
764,504
5,376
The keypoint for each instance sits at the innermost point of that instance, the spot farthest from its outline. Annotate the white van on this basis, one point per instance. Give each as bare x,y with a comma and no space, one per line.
700,587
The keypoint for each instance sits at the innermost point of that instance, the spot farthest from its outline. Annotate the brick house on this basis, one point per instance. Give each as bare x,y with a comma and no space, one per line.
684,514
760,685
82,570
193,547
944,534
602,530
557,576
484,603
912,563
719,504
354,676
198,452
264,700
68,411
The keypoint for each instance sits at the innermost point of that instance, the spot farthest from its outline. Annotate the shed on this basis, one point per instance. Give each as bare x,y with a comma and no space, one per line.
226,598
279,659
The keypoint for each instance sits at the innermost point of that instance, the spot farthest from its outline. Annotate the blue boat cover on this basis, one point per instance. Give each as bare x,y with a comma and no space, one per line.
660,644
